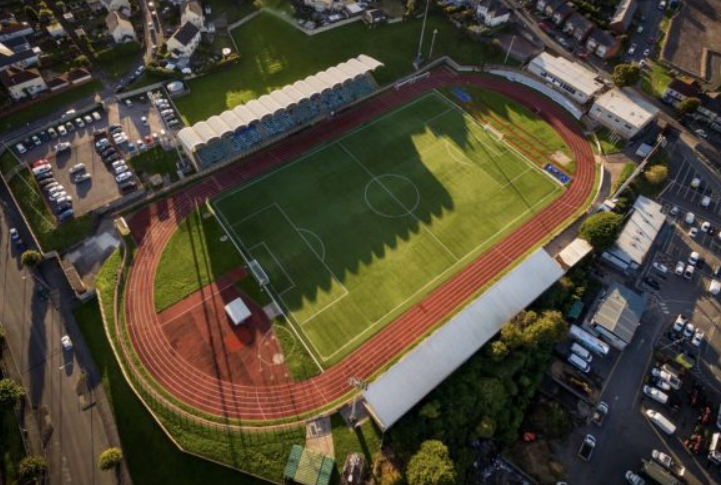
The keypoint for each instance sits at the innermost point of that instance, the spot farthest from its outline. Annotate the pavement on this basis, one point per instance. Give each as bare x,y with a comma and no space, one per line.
75,426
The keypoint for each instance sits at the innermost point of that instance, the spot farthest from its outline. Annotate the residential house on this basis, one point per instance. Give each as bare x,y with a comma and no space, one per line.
18,53
184,41
13,30
681,88
117,6
710,110
192,12
22,83
578,26
603,44
623,16
57,83
56,31
623,112
79,76
562,13
120,28
493,13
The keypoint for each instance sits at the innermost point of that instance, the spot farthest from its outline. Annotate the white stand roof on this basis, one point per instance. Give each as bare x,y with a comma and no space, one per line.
237,311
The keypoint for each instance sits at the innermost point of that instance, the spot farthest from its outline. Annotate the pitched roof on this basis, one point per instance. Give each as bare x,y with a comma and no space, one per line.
685,88
77,74
193,6
564,9
12,57
579,22
711,102
624,12
186,33
13,27
620,312
57,82
495,8
13,76
602,37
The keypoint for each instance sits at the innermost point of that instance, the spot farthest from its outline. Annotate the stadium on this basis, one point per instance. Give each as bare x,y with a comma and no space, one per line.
392,232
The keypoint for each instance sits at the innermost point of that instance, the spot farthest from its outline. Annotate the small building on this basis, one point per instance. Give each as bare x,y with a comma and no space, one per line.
120,28
709,111
638,235
570,78
493,13
23,83
79,76
623,16
184,41
623,112
603,44
56,31
578,27
18,54
562,12
374,16
57,83
237,311
619,315
681,88
192,12
116,5
13,30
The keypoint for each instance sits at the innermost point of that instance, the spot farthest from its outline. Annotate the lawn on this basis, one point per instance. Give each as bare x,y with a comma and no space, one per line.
156,160
656,79
8,161
48,106
42,221
293,55
610,144
353,234
11,448
150,456
194,257
365,439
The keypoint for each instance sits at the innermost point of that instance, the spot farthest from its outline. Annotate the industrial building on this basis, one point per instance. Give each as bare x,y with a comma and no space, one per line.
619,315
570,78
623,112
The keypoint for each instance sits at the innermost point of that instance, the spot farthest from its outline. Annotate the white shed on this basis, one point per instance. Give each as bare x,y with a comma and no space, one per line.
237,311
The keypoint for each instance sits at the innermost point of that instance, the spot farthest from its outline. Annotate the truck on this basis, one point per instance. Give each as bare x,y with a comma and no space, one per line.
668,463
589,341
661,421
658,474
587,447
599,414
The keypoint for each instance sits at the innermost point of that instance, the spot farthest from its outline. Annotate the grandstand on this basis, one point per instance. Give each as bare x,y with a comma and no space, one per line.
240,130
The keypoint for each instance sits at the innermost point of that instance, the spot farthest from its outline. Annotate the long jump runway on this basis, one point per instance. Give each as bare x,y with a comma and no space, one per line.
153,227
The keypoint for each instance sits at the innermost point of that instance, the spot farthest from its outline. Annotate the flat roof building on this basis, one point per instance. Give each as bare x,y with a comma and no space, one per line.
623,112
637,236
619,315
568,77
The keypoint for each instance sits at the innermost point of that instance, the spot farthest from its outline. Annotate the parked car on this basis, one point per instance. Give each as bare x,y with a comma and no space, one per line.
79,167
62,147
45,182
88,119
689,330
41,169
688,274
634,479
79,122
667,375
655,394
694,258
680,266
62,131
660,267
43,176
36,140
96,116
705,226
57,195
82,177
668,463
632,49
661,421
17,240
579,363
65,199
123,176
587,447
40,161
698,337
52,132
120,169
65,215
600,413
69,126
693,232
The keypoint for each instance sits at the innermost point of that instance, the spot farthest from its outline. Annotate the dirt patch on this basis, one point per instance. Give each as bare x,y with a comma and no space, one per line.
537,460
560,157
694,40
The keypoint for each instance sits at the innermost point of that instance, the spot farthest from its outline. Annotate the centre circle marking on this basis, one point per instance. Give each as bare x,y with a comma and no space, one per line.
403,210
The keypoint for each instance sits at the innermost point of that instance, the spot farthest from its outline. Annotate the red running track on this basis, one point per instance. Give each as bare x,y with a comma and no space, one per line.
153,227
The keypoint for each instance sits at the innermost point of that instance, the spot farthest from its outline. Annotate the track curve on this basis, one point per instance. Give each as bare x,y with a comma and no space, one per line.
211,395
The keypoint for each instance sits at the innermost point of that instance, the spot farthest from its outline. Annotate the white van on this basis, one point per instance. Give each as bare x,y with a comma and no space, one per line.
706,201
581,352
20,148
693,258
714,454
661,421
579,363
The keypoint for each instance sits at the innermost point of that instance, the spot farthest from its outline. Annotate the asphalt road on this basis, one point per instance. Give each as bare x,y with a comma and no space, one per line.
651,30
50,375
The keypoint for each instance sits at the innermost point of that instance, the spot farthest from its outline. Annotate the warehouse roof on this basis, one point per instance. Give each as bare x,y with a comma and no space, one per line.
638,234
395,392
202,132
620,312
628,106
571,73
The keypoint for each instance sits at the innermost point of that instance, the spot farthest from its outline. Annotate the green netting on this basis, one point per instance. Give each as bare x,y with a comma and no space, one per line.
308,468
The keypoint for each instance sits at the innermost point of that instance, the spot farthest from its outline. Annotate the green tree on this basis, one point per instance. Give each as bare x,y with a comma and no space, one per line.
81,61
498,350
10,393
485,428
431,465
110,459
31,258
430,410
689,105
626,75
601,229
32,470
548,329
656,175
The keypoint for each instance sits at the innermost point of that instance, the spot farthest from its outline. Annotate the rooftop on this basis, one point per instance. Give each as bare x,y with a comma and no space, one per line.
186,33
639,233
624,11
571,73
13,77
626,105
620,312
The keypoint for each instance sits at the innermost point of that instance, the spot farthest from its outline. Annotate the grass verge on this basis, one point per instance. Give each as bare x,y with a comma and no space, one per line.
42,221
610,144
365,439
11,448
156,160
655,79
47,106
294,55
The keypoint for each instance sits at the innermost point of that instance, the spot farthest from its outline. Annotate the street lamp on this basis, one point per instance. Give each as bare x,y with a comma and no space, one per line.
360,385
433,42
419,56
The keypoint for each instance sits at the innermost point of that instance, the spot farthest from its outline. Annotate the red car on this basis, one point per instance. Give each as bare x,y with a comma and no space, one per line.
583,55
40,161
148,140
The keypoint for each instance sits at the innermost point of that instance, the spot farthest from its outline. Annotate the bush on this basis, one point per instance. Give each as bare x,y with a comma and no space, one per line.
689,105
601,230
656,175
626,75
32,469
431,465
10,393
31,258
110,459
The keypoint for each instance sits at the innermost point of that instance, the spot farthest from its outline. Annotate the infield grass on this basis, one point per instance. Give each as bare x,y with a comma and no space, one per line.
353,234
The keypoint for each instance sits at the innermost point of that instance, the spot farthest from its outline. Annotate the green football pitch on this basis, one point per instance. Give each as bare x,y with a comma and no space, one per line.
354,233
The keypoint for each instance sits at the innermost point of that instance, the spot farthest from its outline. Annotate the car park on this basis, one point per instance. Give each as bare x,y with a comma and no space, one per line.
655,394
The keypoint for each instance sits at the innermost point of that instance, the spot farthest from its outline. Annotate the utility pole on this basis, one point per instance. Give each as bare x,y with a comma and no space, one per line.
360,385
419,56
508,52
433,42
